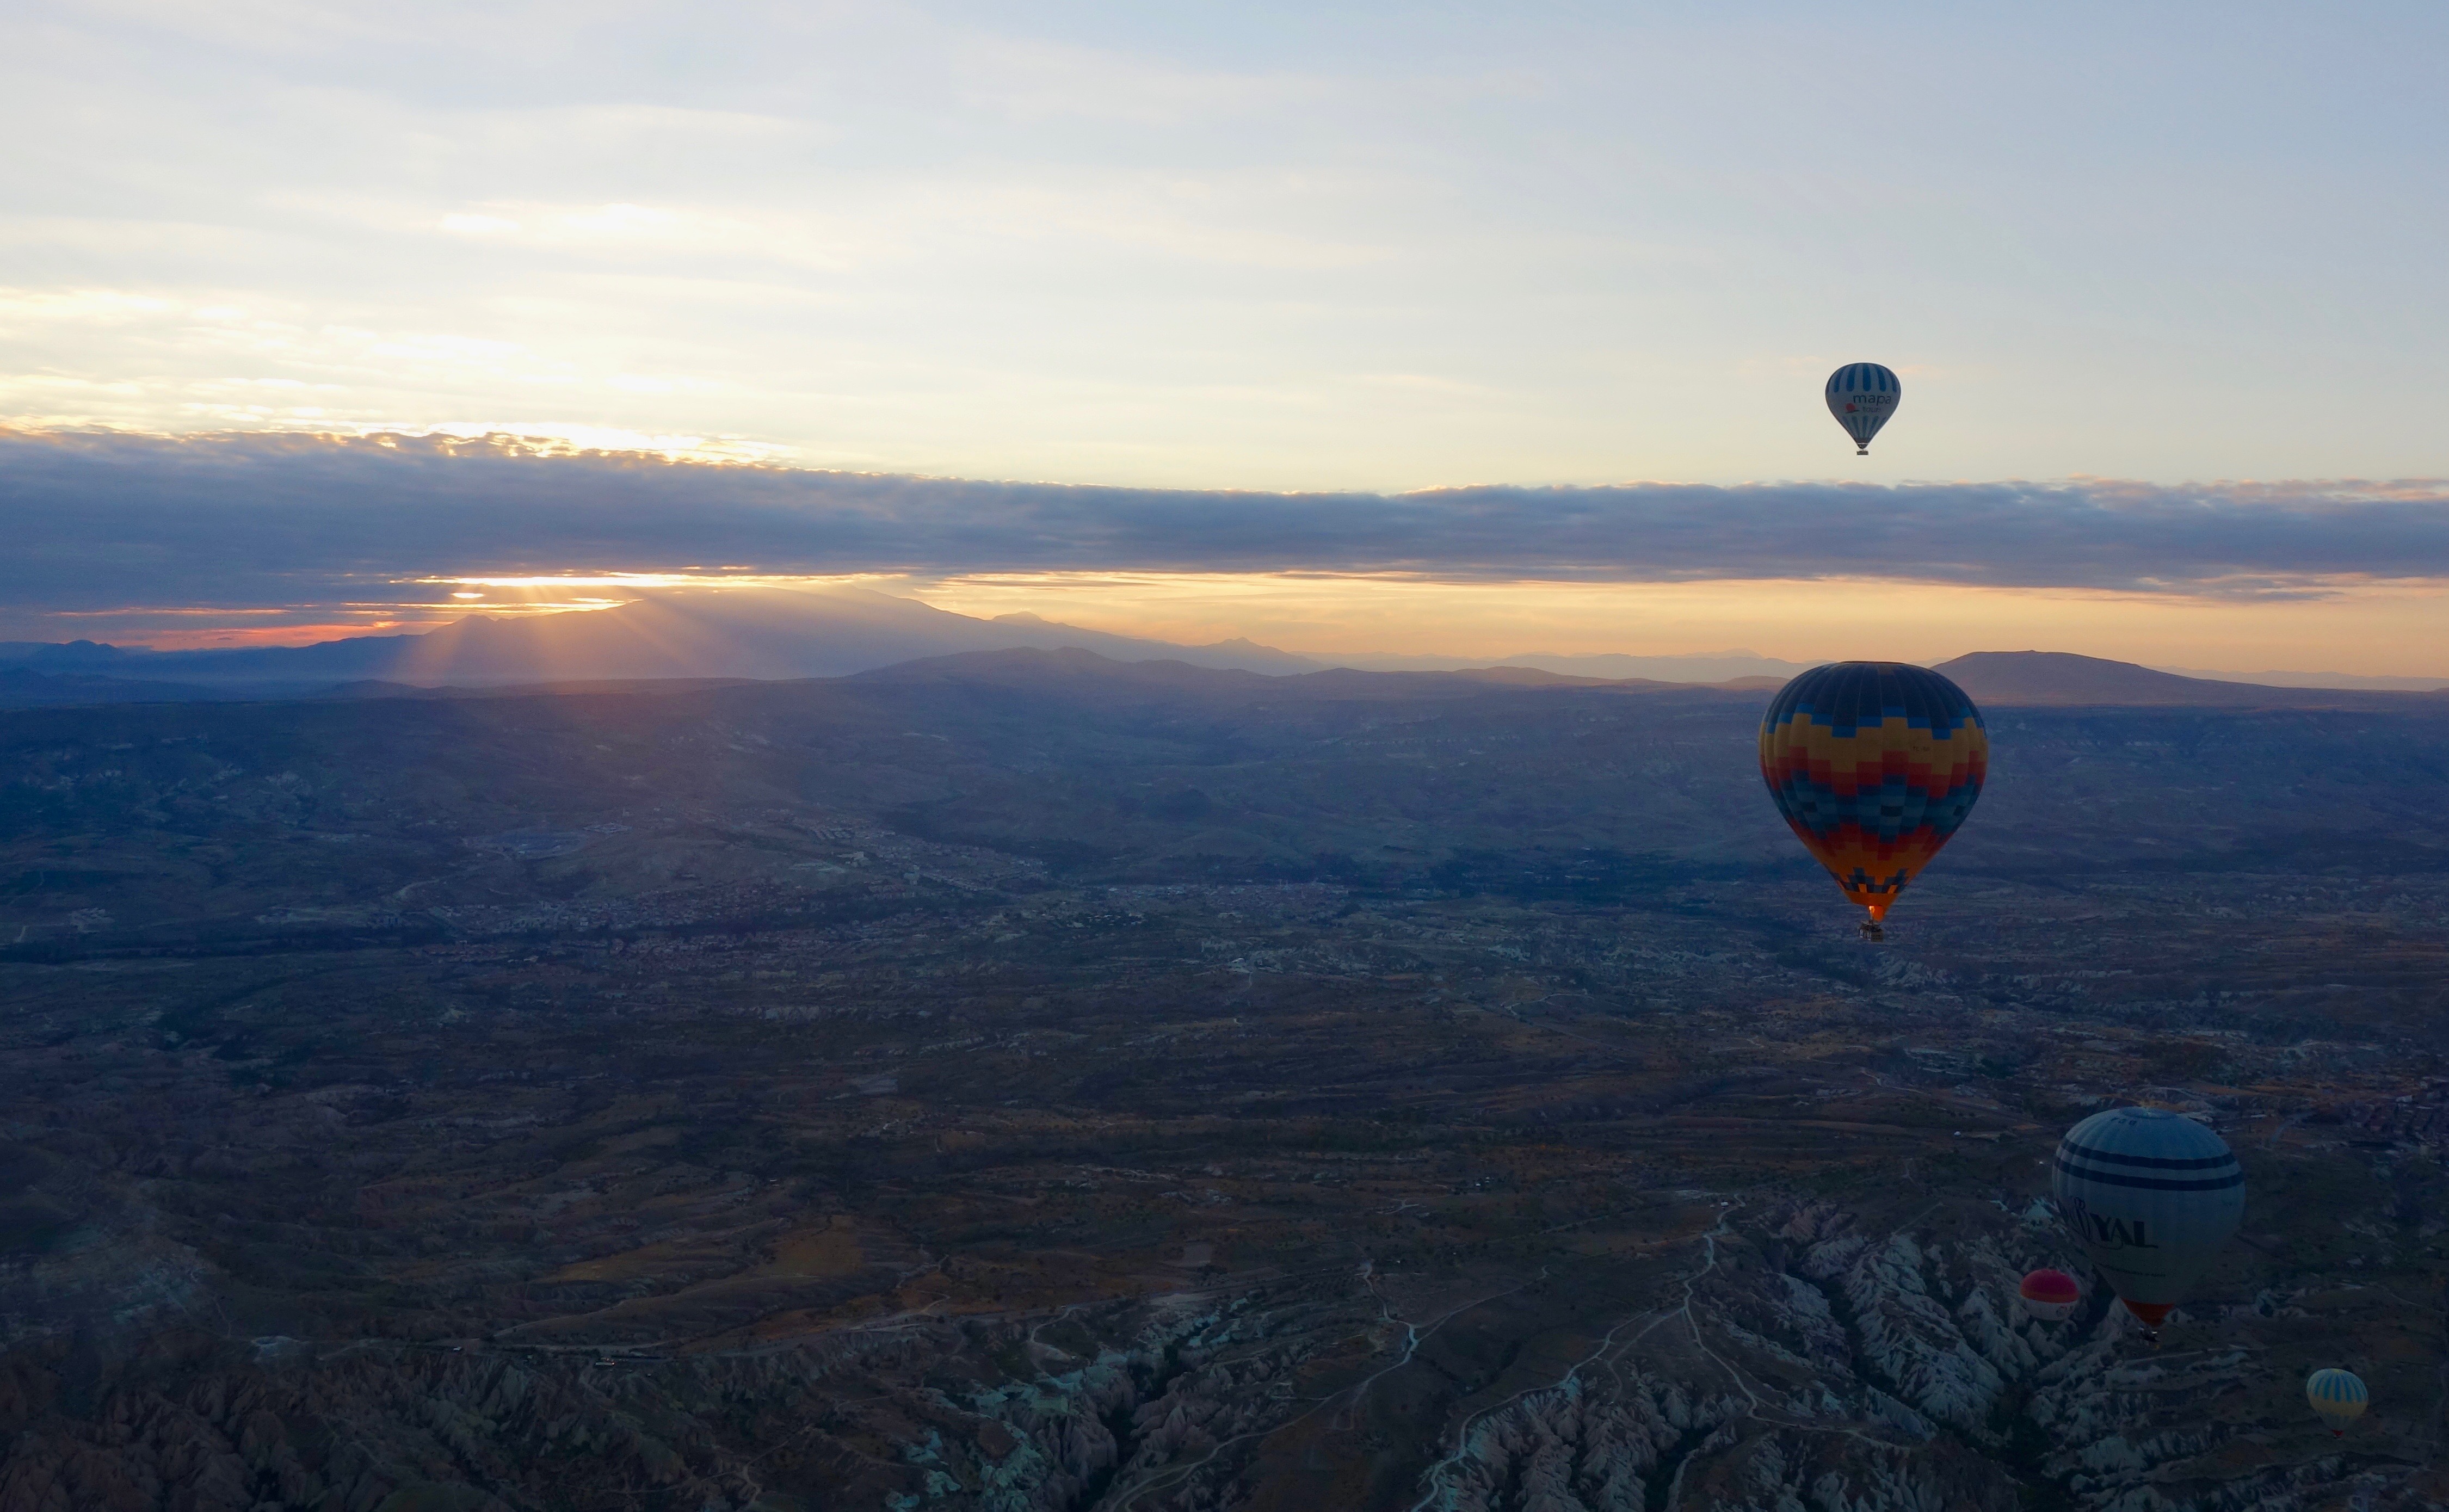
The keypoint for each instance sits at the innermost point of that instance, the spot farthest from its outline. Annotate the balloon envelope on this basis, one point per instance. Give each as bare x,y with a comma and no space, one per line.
2339,1396
1863,396
2153,1196
1874,766
2051,1296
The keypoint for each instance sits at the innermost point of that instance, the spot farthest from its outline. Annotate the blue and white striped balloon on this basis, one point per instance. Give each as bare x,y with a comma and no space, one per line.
2153,1196
2339,1396
1863,396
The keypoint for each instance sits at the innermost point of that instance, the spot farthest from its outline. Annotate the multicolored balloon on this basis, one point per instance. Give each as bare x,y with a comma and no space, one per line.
2051,1296
1863,396
2339,1397
1874,766
2153,1195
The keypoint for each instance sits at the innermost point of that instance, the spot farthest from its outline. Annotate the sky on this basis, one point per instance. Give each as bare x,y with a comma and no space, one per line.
1268,261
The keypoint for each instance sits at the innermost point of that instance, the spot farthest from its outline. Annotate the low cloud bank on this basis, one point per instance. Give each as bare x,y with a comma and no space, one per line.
97,520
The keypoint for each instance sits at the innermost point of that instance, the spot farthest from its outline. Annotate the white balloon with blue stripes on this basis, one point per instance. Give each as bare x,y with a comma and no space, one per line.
2338,1397
2153,1195
1863,396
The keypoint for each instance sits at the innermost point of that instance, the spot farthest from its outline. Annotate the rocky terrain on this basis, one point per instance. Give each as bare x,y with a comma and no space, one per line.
1029,1082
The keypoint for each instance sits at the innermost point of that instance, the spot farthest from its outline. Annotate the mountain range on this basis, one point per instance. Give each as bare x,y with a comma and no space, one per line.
2061,678
764,635
745,632
702,632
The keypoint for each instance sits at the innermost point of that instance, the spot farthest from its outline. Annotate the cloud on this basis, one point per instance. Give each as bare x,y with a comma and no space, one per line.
103,519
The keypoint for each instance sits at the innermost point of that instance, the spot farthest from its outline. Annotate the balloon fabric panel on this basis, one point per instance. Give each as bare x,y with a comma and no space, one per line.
1874,764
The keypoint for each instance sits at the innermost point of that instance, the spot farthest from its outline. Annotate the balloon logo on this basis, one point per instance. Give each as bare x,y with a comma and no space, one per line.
1874,766
1863,396
2051,1296
2153,1196
2338,1397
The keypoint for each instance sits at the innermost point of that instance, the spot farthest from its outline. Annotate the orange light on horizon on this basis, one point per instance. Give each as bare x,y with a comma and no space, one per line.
2353,627
716,578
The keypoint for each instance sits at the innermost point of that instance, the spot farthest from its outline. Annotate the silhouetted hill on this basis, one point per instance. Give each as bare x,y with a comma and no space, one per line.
1081,671
704,637
2063,678
757,634
1722,667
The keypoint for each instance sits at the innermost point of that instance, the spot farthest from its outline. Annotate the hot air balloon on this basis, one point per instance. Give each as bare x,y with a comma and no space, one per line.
1874,766
2153,1196
1863,396
2338,1396
2051,1296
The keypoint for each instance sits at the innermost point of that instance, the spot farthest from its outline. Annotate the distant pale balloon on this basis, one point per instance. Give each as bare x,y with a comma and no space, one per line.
2338,1396
1863,396
2051,1296
2153,1196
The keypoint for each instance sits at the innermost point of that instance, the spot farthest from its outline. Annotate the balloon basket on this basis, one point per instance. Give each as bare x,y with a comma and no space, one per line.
1873,933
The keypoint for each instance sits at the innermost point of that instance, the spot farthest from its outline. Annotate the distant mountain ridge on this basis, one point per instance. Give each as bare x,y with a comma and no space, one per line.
2339,680
757,633
1712,667
2062,678
725,634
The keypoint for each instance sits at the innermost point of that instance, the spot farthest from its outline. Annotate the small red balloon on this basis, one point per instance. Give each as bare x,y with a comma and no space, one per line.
2051,1296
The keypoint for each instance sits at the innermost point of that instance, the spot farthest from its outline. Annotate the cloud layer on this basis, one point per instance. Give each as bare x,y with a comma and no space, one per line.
101,522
